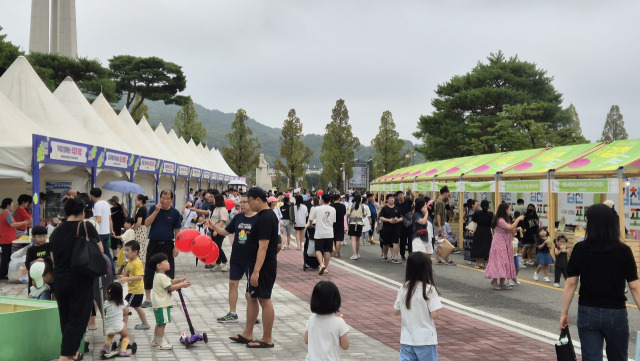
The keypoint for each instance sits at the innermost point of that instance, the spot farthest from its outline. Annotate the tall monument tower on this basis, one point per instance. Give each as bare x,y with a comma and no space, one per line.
59,35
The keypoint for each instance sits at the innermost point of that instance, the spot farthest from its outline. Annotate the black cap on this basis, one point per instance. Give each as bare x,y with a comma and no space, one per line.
37,230
257,192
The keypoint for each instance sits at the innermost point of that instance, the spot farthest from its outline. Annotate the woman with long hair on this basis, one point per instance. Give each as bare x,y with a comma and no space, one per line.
470,209
356,222
301,214
531,227
422,242
139,227
603,264
501,265
481,244
220,217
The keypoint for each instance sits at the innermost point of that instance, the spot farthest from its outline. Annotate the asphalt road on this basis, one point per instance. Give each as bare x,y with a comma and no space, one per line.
534,303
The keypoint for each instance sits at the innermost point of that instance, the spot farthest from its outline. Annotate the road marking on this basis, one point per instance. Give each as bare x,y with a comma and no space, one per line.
535,333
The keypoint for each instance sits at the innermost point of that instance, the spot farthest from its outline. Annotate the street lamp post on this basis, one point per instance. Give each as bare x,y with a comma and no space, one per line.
413,158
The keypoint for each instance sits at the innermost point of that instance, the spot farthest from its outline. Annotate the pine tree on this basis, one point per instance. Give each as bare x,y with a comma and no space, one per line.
338,146
294,154
614,126
387,145
187,126
575,120
243,152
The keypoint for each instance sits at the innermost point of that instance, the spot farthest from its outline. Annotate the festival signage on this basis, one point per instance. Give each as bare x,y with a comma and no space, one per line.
220,177
424,186
196,173
453,187
584,185
479,187
147,164
226,178
183,170
67,151
608,158
244,179
206,175
523,186
168,168
360,176
117,160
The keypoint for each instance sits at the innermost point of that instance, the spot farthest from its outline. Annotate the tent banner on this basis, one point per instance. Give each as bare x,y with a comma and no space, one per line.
584,185
524,186
168,168
373,187
196,173
183,170
424,186
244,179
116,160
220,177
453,187
54,150
206,175
226,178
148,165
478,186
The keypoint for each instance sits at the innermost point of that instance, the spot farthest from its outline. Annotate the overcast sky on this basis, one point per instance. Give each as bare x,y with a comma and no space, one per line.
270,56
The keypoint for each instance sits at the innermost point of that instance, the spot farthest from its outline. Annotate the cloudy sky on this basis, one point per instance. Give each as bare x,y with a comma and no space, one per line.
270,56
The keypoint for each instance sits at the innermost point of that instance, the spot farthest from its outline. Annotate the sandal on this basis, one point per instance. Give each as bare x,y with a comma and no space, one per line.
240,339
261,344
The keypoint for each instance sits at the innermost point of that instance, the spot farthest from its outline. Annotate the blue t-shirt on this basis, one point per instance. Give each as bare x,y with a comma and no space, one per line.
374,211
417,217
164,226
240,225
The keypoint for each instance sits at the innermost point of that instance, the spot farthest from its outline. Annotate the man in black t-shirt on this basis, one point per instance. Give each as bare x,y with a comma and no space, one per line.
262,248
405,205
338,227
391,219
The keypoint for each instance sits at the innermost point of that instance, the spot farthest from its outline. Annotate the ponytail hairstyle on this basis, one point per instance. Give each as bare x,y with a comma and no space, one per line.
356,199
115,292
484,205
299,200
142,198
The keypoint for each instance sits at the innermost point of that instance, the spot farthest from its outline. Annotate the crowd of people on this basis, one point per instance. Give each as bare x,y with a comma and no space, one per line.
410,228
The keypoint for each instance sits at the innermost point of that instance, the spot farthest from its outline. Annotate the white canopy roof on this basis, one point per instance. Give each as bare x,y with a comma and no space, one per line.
70,96
16,141
132,127
110,117
164,138
206,154
164,152
185,152
222,162
25,90
206,163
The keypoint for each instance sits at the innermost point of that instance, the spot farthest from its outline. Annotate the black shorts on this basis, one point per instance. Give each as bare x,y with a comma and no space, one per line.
114,243
134,300
298,228
355,230
237,271
389,238
265,284
338,237
324,245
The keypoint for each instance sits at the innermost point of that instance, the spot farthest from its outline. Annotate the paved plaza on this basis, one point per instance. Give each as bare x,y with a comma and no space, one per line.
367,307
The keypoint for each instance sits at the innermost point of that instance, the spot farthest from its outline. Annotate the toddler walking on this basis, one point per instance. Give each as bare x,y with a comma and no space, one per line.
543,256
326,333
133,274
161,297
418,303
562,259
115,309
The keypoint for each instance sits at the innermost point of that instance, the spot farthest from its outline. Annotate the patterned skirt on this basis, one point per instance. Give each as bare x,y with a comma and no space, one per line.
141,237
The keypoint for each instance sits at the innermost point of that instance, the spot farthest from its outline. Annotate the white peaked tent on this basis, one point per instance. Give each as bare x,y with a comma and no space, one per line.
164,138
163,152
110,117
188,156
205,163
225,167
70,96
16,141
206,154
22,86
132,128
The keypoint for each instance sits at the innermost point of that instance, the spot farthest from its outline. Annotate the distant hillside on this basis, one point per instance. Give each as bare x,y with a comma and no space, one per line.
218,124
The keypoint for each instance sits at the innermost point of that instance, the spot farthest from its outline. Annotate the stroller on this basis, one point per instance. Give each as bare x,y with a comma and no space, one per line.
309,261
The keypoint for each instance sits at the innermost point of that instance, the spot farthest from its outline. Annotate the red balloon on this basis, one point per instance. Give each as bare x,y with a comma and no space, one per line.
229,204
288,194
212,257
201,245
184,239
320,192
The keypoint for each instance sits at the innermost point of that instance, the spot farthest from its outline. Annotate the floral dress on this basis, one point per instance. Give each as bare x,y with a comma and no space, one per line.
141,233
501,255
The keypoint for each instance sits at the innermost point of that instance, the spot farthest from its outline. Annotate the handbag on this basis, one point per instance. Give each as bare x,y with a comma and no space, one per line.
472,226
564,346
444,247
407,220
86,257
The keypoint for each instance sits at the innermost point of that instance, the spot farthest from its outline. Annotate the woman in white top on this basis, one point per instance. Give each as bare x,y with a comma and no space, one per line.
220,217
188,215
355,214
301,214
366,221
273,201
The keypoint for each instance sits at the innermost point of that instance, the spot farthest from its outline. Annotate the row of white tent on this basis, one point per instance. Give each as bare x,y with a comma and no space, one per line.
28,107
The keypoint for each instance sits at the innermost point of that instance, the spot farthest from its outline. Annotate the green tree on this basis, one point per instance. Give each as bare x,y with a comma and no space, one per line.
294,154
187,125
338,146
614,126
8,53
244,150
152,78
388,145
89,75
468,107
140,111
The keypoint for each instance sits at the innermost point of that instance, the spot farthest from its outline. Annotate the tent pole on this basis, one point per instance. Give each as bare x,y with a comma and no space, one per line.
461,210
157,187
619,172
35,181
175,186
552,207
497,195
132,177
94,176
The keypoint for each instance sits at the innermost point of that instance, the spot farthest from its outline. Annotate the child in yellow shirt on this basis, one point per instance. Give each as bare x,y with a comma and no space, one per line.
133,274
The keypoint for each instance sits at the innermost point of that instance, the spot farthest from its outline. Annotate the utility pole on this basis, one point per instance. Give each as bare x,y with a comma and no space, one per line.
343,180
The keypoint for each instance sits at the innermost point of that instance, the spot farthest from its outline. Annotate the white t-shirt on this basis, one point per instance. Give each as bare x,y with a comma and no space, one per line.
324,337
301,215
102,209
188,215
128,235
325,217
276,210
367,213
417,327
114,315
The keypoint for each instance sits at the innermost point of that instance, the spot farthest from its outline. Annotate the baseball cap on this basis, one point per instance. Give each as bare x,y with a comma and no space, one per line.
257,192
36,272
609,203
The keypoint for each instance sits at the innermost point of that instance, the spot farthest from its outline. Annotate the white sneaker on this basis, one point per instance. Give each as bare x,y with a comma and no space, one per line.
354,257
523,266
164,346
556,285
535,276
358,255
546,279
516,282
224,268
510,283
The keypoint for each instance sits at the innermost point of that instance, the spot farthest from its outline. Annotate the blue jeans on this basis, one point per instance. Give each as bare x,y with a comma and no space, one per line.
46,295
418,353
596,325
104,238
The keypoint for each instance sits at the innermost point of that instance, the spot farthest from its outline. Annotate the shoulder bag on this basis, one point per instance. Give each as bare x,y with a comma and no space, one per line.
86,257
407,220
